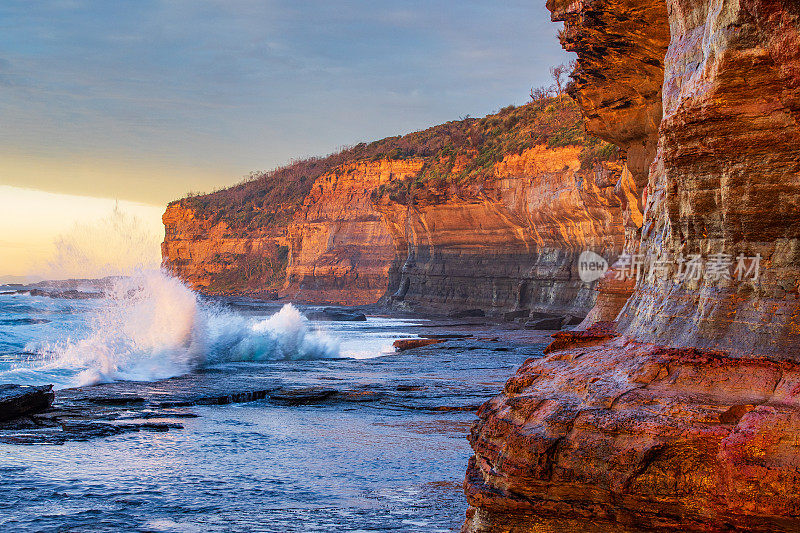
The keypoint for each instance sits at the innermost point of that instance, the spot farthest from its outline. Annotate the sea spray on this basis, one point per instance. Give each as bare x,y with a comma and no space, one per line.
118,244
152,326
285,335
149,328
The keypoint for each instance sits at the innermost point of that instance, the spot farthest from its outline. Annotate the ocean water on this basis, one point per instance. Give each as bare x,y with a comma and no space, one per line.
394,462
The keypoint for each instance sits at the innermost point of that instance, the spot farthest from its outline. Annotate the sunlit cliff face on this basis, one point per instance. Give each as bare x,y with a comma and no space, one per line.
703,96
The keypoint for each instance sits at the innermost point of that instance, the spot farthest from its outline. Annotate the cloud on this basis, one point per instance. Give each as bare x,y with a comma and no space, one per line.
234,85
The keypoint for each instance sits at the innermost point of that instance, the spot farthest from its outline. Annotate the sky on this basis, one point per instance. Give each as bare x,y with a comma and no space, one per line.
143,101
60,236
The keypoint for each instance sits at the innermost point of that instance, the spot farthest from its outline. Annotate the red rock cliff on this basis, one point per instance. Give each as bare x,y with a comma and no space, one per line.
514,244
217,260
501,206
341,248
688,418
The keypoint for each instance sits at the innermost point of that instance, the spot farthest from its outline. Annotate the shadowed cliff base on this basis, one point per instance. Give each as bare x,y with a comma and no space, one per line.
688,418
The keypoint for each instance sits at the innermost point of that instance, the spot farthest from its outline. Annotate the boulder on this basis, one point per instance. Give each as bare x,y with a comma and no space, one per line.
513,315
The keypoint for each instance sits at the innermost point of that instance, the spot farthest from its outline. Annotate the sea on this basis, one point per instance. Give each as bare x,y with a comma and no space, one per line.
392,458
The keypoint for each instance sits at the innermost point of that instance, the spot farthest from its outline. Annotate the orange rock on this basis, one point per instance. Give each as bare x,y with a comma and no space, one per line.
689,420
516,244
213,259
629,438
409,344
341,248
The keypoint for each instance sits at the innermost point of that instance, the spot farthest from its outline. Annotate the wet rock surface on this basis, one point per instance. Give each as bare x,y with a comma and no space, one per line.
20,400
338,314
408,344
546,323
70,294
623,436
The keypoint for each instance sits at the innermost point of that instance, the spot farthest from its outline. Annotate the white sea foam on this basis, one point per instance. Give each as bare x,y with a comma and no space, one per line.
153,327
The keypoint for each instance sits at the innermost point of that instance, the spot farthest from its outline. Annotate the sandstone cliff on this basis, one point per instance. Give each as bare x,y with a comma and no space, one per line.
216,260
511,244
341,248
515,244
689,418
482,213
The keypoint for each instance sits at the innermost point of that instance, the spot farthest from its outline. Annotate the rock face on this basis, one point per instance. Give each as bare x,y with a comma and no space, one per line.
485,213
341,247
726,180
624,436
213,258
617,84
688,420
515,245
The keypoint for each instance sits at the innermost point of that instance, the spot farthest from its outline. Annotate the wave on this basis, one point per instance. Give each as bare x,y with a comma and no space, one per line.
152,327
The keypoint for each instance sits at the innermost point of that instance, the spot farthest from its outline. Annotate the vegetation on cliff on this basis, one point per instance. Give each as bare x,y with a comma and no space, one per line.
459,153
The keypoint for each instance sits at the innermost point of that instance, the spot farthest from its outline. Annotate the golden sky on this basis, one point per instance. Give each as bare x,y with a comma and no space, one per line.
33,222
136,179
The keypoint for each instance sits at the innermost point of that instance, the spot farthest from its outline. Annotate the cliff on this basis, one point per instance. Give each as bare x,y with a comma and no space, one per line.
513,245
688,417
341,248
216,260
487,213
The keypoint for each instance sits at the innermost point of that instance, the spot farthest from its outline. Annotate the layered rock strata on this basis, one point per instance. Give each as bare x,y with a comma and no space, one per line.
341,248
689,419
515,245
726,180
621,436
214,259
485,213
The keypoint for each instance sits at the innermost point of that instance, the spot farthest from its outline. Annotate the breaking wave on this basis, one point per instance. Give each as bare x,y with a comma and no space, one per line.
152,327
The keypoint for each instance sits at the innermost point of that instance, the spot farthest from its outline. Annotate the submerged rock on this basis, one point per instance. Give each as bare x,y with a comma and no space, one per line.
23,321
339,315
303,396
